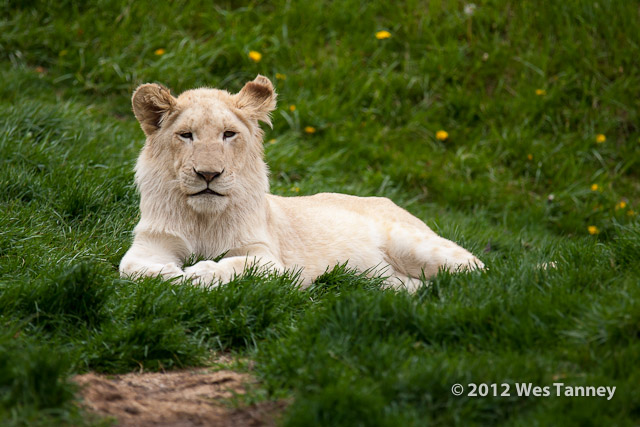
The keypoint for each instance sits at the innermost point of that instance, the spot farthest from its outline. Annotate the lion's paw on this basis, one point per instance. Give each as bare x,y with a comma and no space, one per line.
167,271
465,263
204,273
462,261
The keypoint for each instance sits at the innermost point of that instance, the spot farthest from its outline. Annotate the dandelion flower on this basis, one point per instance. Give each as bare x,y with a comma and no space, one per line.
594,187
442,135
600,138
541,92
621,205
593,230
310,129
469,9
530,156
255,56
159,52
292,108
383,35
281,76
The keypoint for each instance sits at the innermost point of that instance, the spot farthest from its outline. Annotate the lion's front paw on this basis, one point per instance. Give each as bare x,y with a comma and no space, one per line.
167,271
204,273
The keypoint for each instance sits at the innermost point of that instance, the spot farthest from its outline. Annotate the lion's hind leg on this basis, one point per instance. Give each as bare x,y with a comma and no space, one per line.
414,253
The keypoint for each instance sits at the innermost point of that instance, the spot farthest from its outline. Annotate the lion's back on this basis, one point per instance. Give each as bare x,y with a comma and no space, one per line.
338,205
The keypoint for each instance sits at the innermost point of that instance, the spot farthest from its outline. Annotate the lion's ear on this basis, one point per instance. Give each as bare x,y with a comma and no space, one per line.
152,103
257,99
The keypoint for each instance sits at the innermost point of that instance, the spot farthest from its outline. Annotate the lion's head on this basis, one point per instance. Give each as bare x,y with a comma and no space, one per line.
204,148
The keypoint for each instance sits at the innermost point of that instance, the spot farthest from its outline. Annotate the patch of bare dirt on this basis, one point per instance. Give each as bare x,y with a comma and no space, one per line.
193,397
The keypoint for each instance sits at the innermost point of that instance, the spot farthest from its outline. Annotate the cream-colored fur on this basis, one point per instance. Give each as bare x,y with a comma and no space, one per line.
190,145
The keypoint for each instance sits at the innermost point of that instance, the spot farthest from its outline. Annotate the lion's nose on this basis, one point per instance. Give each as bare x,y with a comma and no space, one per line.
208,176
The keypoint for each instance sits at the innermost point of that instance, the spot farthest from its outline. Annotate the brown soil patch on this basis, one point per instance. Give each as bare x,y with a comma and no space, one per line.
178,398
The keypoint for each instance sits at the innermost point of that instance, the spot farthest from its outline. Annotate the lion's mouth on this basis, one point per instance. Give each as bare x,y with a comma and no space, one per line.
206,191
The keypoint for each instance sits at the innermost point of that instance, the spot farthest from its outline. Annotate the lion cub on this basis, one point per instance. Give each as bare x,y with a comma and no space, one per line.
204,190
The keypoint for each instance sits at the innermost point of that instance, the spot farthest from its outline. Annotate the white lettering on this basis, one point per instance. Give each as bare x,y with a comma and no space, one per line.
528,389
537,391
558,387
612,391
523,389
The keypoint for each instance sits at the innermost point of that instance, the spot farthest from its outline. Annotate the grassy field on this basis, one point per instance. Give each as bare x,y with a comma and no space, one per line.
540,102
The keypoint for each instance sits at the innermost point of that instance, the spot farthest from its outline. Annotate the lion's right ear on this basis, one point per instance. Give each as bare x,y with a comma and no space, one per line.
152,103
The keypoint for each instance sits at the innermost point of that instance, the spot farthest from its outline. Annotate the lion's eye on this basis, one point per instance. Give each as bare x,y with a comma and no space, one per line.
186,135
228,134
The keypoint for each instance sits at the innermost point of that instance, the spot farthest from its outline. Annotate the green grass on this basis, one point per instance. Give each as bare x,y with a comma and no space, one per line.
513,183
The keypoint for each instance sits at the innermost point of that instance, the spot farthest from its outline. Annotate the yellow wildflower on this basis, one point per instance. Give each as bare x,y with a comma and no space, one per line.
541,92
281,76
530,156
292,108
159,51
621,205
594,187
255,56
631,212
272,141
310,129
600,138
295,189
442,135
593,229
383,35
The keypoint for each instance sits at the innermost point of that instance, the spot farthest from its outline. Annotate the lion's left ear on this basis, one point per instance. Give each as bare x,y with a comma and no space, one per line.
257,99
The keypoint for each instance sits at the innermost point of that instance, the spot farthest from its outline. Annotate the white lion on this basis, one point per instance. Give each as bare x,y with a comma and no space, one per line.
204,190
